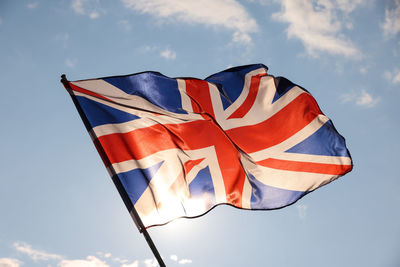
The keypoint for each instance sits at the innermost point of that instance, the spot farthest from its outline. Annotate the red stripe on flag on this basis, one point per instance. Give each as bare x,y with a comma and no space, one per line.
191,163
285,123
299,166
87,92
251,97
140,143
199,90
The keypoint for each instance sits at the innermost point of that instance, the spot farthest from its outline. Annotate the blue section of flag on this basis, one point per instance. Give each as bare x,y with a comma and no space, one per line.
202,186
326,141
231,81
268,197
99,114
147,85
283,86
136,181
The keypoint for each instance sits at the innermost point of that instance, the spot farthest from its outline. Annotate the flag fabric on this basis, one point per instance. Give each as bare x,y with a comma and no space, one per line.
177,147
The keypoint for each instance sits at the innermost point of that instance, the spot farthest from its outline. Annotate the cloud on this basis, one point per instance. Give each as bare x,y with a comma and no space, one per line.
10,262
391,25
91,261
32,5
168,54
393,76
173,257
119,260
133,264
302,209
86,7
35,254
362,99
227,14
318,25
184,261
70,62
150,262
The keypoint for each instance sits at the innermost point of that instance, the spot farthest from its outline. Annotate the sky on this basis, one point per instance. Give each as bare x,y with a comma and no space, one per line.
59,207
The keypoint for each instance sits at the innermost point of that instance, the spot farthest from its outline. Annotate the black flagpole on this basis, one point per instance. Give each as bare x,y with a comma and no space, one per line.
132,211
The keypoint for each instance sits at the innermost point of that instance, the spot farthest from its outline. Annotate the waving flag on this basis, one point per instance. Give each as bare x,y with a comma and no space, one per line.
177,147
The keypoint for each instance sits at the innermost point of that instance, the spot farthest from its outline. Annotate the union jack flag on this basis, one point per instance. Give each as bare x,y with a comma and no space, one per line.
177,147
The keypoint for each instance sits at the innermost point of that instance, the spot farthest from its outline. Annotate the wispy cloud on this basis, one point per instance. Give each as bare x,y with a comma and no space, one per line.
87,7
391,25
393,76
361,98
91,261
102,259
180,261
184,261
133,264
302,209
319,25
150,262
116,259
10,262
228,14
70,62
32,5
168,54
165,53
35,254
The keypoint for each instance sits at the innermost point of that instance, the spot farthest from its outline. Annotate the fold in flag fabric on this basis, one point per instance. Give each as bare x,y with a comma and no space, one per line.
177,147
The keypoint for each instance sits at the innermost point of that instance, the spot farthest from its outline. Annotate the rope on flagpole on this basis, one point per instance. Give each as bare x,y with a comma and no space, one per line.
132,211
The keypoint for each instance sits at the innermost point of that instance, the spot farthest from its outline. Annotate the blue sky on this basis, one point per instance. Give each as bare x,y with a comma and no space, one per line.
59,207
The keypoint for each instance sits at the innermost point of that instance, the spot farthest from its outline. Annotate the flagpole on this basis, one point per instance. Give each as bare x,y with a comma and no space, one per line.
142,229
132,211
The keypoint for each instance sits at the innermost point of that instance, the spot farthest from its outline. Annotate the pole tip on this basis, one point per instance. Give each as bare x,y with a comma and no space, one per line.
63,78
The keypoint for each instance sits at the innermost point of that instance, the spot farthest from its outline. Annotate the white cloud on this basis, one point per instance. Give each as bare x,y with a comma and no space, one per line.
77,6
302,209
228,14
168,54
318,25
173,257
119,260
362,99
86,7
391,25
10,262
32,5
184,261
133,264
70,62
91,261
393,76
94,14
150,262
35,254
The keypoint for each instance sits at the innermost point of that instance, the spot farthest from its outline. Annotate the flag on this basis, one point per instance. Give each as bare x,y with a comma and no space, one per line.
177,147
